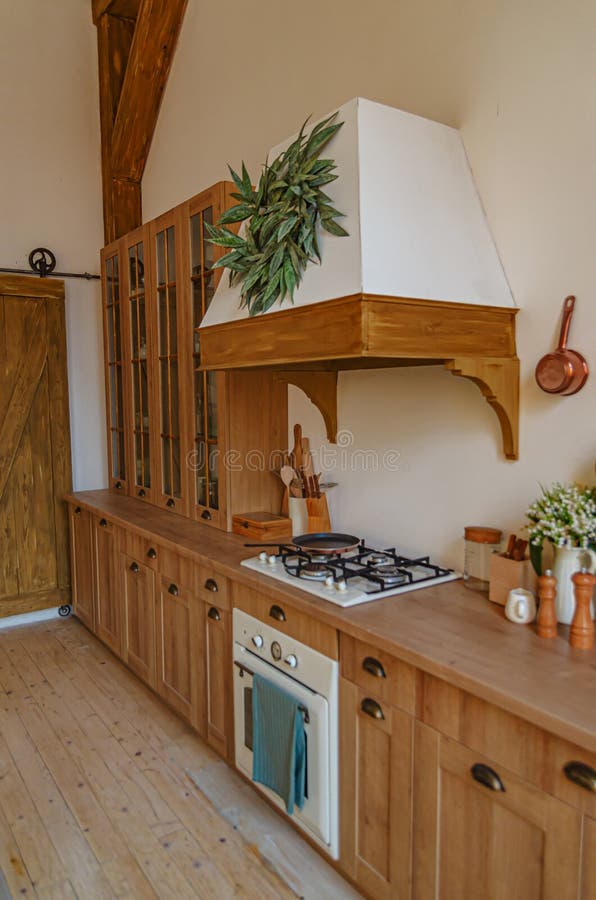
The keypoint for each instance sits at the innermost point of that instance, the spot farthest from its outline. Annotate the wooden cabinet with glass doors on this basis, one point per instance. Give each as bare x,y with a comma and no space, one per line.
116,365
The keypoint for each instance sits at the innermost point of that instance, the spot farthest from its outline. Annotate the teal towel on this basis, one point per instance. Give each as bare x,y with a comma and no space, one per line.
279,742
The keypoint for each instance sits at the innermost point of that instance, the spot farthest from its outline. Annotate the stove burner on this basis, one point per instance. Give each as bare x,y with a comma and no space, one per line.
376,560
389,573
314,571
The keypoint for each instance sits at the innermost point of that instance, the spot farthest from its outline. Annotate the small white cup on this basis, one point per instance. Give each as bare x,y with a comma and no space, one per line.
521,606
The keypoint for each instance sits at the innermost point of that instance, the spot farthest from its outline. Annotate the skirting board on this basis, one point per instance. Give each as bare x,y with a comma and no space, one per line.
39,615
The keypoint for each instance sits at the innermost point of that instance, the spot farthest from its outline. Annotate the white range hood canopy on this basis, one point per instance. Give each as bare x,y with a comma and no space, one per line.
416,224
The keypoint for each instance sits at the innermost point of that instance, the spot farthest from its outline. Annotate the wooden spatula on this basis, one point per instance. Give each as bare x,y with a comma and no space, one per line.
297,451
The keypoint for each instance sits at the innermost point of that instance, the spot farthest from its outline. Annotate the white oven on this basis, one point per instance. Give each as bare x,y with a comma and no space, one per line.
312,679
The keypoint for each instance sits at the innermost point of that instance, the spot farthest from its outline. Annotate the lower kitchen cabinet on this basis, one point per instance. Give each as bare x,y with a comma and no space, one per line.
81,555
479,830
106,570
219,696
588,870
179,650
138,646
376,793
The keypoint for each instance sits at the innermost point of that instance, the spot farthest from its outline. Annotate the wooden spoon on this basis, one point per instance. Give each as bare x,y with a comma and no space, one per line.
287,475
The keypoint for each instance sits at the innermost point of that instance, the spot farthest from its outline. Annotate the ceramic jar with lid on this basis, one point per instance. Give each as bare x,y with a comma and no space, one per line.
480,543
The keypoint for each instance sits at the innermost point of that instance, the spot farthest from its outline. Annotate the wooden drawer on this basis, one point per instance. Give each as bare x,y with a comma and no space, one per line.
524,748
144,550
285,618
177,568
378,673
212,587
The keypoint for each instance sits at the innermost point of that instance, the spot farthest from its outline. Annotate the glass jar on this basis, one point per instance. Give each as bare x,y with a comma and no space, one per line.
480,543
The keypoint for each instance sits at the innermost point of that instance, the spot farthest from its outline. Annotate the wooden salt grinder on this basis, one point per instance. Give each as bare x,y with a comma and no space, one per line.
581,633
546,623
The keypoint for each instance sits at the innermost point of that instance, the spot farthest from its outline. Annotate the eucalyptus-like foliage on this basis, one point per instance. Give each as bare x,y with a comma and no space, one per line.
284,212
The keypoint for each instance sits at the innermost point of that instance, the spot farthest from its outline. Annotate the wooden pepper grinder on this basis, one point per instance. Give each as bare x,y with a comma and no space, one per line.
546,623
581,633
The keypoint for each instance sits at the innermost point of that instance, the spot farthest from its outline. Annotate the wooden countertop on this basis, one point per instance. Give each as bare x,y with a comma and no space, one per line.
446,630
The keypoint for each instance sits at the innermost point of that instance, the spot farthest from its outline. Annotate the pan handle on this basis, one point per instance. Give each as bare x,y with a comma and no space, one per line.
568,307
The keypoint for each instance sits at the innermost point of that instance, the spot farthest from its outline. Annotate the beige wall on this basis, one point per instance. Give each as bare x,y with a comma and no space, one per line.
50,186
517,77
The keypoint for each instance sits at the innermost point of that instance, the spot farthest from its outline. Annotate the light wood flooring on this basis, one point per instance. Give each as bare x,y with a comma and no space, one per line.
95,800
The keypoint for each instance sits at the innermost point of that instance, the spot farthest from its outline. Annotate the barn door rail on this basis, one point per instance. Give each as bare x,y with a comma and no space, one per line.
43,263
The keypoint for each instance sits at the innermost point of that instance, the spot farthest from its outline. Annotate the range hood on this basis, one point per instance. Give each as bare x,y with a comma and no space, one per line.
418,280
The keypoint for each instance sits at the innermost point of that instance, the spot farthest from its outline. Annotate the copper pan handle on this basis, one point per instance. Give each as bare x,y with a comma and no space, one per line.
568,307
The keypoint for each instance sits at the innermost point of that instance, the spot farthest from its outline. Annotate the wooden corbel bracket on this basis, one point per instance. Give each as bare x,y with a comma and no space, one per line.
498,379
321,388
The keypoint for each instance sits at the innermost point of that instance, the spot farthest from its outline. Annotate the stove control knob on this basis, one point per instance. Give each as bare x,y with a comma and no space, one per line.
291,661
257,641
342,585
272,559
329,581
263,556
276,651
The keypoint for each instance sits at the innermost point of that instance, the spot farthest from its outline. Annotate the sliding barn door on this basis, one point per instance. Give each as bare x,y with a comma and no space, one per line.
35,467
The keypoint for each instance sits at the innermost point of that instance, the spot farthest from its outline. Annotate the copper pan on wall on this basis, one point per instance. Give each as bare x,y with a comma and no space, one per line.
563,371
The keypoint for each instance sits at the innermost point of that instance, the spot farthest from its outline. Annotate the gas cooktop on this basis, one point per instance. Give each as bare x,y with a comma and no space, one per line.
350,578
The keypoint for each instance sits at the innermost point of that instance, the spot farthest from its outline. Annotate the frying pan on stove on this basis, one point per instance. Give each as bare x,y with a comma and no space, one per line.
326,543
563,371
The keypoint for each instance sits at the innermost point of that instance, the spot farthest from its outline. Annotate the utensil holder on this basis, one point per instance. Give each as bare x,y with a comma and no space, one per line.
507,574
318,514
298,513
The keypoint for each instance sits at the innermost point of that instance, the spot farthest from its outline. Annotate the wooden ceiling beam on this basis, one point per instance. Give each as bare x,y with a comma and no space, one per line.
123,9
156,33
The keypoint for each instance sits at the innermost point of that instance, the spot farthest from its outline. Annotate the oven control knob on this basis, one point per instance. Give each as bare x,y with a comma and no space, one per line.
342,585
257,641
272,559
263,556
291,661
276,651
329,581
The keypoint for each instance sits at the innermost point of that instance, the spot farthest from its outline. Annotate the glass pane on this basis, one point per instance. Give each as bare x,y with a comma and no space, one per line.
132,269
165,397
199,403
208,248
213,477
146,461
119,405
134,330
176,467
117,347
112,398
142,328
173,311
195,244
209,287
110,317
121,472
115,280
171,253
161,257
109,281
136,399
212,405
201,470
115,466
162,301
140,268
144,394
174,411
166,466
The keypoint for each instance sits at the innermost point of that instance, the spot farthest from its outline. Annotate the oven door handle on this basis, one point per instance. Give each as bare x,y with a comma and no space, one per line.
248,671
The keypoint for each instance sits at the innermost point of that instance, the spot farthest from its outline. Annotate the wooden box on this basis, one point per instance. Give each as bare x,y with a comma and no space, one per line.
262,525
507,574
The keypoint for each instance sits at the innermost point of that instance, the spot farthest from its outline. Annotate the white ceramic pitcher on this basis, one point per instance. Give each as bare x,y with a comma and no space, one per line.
569,560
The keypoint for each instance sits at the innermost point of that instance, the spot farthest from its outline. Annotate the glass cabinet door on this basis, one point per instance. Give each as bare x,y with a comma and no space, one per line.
115,368
207,385
139,351
169,315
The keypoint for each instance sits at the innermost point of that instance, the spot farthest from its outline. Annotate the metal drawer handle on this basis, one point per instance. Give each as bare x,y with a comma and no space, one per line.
103,523
134,567
170,503
77,510
173,590
373,667
142,493
211,585
581,774
118,485
214,614
152,553
487,776
371,708
206,515
277,613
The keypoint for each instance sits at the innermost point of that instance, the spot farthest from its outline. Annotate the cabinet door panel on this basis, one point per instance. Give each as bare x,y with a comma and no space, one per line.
178,645
588,875
81,554
139,618
518,842
375,799
108,623
116,358
218,647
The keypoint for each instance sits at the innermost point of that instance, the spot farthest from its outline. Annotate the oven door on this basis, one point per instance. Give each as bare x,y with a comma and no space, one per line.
315,815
